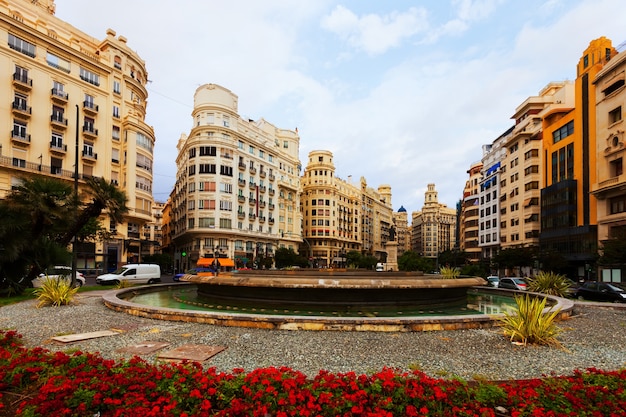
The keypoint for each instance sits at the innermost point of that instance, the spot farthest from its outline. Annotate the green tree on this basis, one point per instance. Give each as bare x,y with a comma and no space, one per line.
614,250
284,257
453,258
368,262
353,259
409,261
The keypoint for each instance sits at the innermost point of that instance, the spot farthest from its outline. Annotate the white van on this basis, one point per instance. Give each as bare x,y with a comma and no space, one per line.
133,273
380,267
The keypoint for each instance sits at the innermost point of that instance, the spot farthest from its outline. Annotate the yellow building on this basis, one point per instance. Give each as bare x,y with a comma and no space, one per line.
236,193
568,208
433,228
403,232
609,188
339,216
72,98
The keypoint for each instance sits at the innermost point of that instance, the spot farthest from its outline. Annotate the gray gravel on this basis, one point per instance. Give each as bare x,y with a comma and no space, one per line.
593,337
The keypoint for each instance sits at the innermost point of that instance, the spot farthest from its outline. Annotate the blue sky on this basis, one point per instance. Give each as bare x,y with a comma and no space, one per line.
402,92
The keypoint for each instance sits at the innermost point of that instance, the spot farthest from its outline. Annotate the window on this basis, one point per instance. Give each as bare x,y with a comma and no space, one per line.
21,74
20,102
226,170
116,111
226,188
617,204
116,87
226,205
615,115
56,141
89,102
58,89
58,63
206,186
563,132
207,169
115,155
88,149
251,149
144,162
117,62
206,204
206,222
226,224
226,121
208,151
192,169
89,76
616,167
533,185
19,129
115,134
20,45
144,141
88,125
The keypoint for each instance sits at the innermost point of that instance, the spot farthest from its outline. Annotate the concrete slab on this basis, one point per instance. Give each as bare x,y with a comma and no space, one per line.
144,348
84,336
194,353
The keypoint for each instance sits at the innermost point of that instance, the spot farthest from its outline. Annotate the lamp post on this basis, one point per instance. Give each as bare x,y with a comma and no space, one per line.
74,248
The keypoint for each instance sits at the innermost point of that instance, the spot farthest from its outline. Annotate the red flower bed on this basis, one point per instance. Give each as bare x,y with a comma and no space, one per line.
36,382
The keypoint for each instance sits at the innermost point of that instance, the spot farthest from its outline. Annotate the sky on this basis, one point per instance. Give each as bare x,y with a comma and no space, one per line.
403,93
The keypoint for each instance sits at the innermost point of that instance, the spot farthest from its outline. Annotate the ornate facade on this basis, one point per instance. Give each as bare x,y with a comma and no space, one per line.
75,103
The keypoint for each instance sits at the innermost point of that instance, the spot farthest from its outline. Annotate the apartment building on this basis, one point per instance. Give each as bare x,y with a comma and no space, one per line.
339,216
520,223
76,103
493,173
609,188
568,208
236,195
469,216
434,227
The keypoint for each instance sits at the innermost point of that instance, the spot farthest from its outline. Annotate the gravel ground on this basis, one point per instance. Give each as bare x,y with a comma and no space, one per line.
593,337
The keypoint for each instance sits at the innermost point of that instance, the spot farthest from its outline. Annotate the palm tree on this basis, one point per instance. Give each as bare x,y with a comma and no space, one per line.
100,196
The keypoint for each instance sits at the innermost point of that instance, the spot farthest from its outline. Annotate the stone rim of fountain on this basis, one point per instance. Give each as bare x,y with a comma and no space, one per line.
115,301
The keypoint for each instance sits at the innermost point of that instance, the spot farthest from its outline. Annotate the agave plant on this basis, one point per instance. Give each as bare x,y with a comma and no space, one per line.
528,323
449,272
550,283
55,292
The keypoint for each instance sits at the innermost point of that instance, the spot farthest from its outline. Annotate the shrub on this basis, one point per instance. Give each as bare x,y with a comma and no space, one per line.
527,323
55,292
449,272
550,283
123,284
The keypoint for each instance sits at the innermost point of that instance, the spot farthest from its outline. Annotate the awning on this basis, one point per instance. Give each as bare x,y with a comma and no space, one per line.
209,262
527,202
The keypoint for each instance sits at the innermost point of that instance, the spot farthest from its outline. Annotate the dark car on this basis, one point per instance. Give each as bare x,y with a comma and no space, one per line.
192,271
513,283
601,291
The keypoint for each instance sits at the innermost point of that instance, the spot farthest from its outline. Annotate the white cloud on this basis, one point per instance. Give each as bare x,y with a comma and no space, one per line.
373,33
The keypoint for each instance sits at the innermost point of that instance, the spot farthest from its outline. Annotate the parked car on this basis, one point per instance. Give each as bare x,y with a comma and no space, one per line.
513,283
133,273
59,272
192,271
493,281
600,291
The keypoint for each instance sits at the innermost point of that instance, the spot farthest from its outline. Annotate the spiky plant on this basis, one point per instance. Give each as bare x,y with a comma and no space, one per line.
550,283
449,272
55,292
528,323
123,284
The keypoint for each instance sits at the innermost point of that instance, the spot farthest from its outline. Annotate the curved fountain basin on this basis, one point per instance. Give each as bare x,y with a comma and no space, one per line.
116,301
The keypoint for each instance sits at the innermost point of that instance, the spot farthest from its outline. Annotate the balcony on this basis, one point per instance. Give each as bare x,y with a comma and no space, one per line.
241,182
271,220
22,82
252,170
262,188
58,149
262,173
241,199
241,214
242,166
90,156
272,206
58,96
252,201
58,121
20,138
252,186
262,204
252,216
272,177
272,192
21,110
262,219
90,131
90,108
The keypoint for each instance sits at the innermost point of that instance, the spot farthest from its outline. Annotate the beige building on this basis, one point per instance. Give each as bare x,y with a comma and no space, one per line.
469,216
522,167
72,98
339,216
403,232
610,186
236,194
433,228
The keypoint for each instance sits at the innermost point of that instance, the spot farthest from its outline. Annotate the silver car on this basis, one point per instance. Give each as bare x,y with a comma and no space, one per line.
513,283
59,272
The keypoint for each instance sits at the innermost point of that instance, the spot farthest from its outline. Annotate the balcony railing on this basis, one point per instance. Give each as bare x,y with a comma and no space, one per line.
22,81
19,137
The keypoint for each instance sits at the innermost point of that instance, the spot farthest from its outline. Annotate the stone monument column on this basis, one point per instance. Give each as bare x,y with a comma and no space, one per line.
392,256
